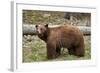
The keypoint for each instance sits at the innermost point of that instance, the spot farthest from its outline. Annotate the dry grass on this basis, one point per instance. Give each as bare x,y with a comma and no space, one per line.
34,50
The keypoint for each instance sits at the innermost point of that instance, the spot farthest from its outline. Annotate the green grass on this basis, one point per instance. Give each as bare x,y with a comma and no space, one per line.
35,51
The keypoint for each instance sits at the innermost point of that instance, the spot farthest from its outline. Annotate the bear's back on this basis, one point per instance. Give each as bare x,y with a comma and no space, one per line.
64,31
65,35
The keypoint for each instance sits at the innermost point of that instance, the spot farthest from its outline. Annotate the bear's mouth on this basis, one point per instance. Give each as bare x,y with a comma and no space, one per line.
40,35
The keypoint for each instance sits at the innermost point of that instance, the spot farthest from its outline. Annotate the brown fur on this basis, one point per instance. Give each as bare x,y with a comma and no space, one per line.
66,36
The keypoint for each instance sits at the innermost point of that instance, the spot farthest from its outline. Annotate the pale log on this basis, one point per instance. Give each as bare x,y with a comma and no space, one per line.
31,30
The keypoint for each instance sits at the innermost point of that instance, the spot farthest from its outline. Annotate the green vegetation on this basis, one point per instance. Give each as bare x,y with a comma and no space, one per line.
35,17
55,17
36,51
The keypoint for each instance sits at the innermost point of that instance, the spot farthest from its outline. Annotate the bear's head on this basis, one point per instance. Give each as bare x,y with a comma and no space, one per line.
41,29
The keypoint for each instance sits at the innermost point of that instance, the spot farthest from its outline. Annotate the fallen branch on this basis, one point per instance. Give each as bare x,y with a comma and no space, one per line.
31,30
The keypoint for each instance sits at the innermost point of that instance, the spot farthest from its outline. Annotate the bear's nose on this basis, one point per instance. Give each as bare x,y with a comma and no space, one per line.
39,32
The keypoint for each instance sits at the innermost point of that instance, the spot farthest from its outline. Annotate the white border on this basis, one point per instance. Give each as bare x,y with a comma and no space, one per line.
17,37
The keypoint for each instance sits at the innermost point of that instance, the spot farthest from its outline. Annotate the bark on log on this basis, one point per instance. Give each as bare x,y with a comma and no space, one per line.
31,30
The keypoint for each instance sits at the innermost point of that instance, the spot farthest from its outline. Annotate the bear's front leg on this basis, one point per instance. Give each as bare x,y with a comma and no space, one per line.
51,51
58,51
71,51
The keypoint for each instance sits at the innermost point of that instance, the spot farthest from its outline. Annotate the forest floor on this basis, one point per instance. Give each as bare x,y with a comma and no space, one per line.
34,50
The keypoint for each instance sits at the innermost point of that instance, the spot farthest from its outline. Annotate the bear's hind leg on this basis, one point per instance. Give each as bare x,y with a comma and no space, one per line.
79,52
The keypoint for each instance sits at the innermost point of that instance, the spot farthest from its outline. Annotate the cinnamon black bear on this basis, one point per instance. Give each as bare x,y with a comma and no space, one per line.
65,36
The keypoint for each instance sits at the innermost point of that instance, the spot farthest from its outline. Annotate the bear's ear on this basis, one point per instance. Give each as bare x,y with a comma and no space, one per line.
46,25
36,26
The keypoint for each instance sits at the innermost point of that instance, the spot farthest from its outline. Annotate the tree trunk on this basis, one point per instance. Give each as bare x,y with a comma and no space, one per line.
31,30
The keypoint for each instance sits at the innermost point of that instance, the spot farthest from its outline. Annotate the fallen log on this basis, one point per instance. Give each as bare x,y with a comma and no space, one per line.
31,30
